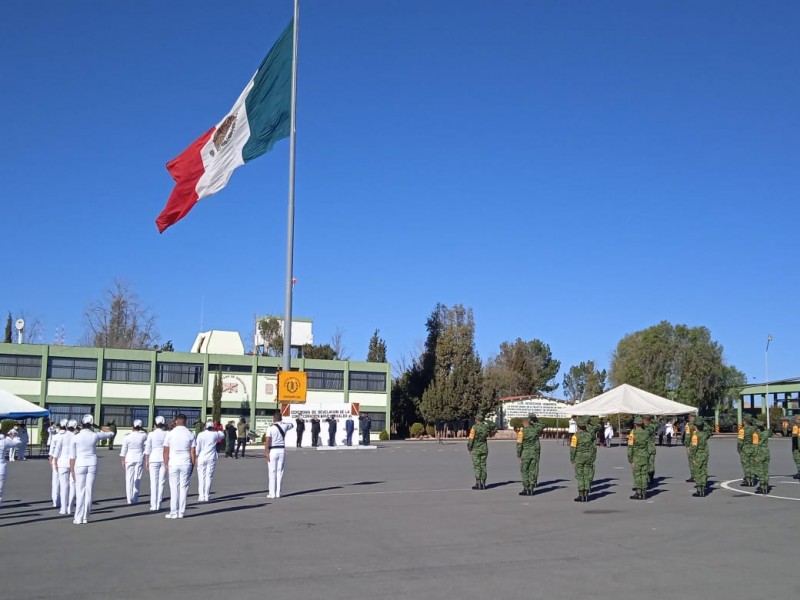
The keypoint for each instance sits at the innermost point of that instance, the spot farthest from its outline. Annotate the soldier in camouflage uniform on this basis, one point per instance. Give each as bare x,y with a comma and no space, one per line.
478,447
592,429
528,452
651,427
744,445
688,429
761,456
796,445
581,455
638,458
698,454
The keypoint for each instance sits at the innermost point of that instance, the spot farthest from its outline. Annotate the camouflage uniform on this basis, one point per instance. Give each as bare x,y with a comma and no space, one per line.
592,429
796,445
581,456
688,429
744,445
651,427
638,458
698,454
761,457
529,451
478,446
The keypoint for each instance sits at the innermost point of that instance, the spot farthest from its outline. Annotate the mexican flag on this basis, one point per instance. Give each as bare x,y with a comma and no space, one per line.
260,117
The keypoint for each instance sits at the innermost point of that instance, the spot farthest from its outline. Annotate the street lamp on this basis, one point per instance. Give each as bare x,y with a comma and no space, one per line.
766,377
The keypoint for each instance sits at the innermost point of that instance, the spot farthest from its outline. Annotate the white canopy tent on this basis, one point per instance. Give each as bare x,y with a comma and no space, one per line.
629,399
14,407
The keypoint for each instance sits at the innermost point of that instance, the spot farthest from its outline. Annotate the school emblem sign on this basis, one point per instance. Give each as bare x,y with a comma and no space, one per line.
292,386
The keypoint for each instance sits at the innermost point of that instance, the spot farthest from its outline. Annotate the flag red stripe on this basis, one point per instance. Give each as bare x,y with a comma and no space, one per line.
186,169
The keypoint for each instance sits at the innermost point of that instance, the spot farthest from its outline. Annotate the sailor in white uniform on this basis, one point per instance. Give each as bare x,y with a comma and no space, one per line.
66,485
180,456
207,459
83,466
132,458
275,453
7,443
54,448
154,462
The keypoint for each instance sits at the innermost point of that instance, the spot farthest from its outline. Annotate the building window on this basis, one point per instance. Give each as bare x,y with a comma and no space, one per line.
230,368
73,368
124,416
137,371
69,411
378,421
269,370
12,365
170,412
364,381
180,373
319,379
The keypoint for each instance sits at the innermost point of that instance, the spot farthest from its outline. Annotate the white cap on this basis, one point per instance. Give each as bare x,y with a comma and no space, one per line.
63,423
11,432
159,420
209,424
72,423
87,420
137,423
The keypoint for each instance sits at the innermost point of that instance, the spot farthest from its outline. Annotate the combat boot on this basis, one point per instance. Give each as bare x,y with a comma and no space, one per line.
642,494
698,493
477,485
636,496
690,480
525,492
531,490
483,485
586,496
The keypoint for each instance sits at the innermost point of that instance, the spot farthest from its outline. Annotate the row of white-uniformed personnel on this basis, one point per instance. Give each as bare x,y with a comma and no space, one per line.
174,452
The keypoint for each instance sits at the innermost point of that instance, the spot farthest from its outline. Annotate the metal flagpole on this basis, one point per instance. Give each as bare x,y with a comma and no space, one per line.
287,318
766,378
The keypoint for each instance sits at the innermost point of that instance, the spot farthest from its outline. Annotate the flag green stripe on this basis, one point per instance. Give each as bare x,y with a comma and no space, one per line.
268,104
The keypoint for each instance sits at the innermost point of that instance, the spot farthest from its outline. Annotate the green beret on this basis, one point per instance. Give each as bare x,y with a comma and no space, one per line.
638,421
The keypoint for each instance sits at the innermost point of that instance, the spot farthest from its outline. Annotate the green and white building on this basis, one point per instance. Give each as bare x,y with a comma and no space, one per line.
123,385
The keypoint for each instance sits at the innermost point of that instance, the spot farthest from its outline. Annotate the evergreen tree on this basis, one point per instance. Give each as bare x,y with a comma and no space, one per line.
584,381
216,398
377,349
8,338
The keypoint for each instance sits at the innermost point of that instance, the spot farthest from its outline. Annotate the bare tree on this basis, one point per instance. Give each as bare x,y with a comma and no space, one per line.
119,320
339,351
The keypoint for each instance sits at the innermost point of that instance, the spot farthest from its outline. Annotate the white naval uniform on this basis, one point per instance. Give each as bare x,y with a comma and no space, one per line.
66,485
6,443
277,456
54,444
133,453
83,449
206,461
180,441
154,451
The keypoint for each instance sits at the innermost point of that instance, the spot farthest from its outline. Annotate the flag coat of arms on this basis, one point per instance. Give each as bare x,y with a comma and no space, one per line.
259,118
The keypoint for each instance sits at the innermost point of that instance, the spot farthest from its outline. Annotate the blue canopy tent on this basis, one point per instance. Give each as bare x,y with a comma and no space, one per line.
14,407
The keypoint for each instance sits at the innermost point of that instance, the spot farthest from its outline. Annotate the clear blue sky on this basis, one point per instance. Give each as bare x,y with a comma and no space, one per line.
573,171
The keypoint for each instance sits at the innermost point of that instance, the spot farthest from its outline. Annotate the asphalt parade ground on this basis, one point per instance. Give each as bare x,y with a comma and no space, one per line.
401,521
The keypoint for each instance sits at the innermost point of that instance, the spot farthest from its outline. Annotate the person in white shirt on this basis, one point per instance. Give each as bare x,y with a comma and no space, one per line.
669,431
207,459
13,451
132,458
180,456
83,466
154,459
608,433
66,485
7,443
275,453
54,448
24,438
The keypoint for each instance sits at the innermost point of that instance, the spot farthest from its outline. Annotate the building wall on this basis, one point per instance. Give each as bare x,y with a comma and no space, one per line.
140,383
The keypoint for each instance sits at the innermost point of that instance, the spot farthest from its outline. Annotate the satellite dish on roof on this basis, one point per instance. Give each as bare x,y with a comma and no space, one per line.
20,324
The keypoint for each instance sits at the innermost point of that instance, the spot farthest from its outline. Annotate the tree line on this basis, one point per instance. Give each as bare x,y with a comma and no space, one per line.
448,380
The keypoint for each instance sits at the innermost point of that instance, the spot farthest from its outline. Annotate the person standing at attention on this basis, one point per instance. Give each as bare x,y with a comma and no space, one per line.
83,466
230,439
7,443
180,457
331,430
301,427
349,428
55,446
315,430
241,437
132,458
275,453
154,462
206,460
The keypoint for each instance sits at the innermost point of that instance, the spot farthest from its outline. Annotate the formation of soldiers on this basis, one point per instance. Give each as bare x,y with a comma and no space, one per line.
753,448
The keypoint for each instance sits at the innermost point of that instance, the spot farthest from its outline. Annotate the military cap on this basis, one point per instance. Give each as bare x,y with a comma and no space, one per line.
479,416
638,421
532,417
648,417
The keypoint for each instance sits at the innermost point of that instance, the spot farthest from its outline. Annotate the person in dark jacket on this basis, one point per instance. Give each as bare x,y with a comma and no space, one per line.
300,427
366,425
230,439
331,421
315,429
349,428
